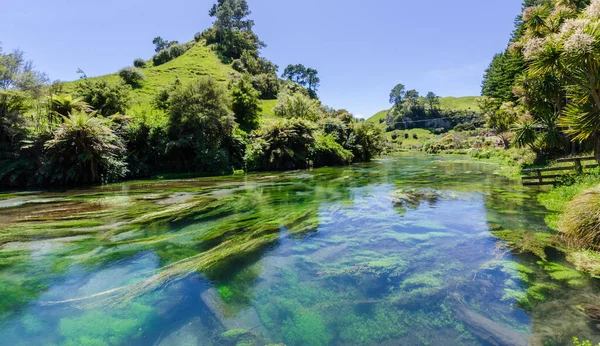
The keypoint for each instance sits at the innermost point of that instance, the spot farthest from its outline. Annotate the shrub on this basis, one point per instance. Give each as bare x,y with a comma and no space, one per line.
139,63
405,135
367,141
198,36
83,150
394,135
107,99
267,84
132,75
176,50
580,223
297,105
414,136
238,65
328,152
286,144
161,57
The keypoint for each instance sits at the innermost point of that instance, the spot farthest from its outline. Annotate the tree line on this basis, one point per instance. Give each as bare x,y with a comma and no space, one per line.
57,136
543,91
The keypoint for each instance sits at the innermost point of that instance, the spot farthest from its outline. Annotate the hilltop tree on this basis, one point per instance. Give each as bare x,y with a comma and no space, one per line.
232,14
295,73
433,100
306,77
161,43
411,98
397,95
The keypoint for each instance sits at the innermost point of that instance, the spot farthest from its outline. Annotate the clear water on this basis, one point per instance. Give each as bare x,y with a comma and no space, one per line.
301,258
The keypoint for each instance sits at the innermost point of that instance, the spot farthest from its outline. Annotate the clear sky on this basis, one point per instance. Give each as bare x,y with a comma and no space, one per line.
360,48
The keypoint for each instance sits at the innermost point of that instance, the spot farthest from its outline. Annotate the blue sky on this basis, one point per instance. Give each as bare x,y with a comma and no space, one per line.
360,48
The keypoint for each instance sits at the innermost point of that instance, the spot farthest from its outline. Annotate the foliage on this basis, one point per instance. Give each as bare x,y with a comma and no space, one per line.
63,105
139,63
132,76
367,141
18,73
244,104
200,125
83,150
105,98
500,77
267,84
169,53
290,105
306,77
329,152
580,223
286,144
162,44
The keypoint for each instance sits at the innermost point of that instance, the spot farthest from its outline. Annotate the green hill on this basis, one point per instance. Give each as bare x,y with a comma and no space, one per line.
446,103
199,60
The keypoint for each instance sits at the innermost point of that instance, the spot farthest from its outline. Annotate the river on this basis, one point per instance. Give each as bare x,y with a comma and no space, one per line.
400,251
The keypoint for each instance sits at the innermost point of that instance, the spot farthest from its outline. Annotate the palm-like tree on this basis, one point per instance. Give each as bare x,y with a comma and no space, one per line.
83,150
565,43
63,105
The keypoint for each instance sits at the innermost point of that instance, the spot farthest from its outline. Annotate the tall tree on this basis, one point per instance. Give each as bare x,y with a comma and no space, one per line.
397,95
433,100
18,73
313,81
295,73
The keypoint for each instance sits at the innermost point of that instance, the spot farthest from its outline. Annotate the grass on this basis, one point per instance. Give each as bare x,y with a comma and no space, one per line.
446,103
198,61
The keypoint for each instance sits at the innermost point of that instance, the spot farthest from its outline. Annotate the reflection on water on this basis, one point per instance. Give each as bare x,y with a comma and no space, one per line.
399,251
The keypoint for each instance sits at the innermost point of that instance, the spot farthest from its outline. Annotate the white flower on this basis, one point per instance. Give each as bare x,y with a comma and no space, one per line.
593,10
533,47
573,25
579,43
528,12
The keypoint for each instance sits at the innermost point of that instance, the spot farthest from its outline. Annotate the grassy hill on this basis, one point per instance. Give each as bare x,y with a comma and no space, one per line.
446,103
197,61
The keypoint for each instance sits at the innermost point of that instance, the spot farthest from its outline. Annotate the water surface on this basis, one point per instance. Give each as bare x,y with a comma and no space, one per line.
321,257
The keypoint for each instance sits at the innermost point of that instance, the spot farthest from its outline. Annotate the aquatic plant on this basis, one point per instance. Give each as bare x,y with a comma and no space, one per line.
527,241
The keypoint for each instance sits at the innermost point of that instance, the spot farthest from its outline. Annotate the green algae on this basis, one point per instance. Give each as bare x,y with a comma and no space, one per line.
99,327
563,273
428,279
526,241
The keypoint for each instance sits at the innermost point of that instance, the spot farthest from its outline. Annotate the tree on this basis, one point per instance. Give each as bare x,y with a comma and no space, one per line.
499,116
313,81
501,75
564,43
411,98
18,73
83,150
433,100
232,14
397,95
245,104
160,44
200,122
295,73
63,105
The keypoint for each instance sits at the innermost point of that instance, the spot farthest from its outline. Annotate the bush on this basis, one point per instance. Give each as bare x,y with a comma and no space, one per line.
405,135
198,36
238,65
367,141
286,144
414,136
328,152
84,150
580,223
298,105
139,63
161,57
107,99
176,50
132,76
